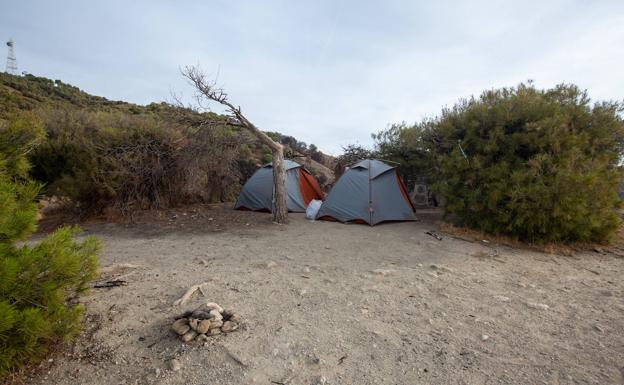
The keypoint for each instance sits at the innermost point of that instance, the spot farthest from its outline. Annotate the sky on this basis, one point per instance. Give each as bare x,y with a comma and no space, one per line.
326,72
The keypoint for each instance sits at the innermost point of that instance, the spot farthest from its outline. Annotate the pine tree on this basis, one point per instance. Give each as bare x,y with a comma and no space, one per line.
38,284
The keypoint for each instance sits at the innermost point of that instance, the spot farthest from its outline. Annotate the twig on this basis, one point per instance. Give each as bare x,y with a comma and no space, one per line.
113,283
433,234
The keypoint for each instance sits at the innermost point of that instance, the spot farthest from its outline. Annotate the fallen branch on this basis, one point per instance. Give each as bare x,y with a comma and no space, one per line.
433,234
189,293
113,283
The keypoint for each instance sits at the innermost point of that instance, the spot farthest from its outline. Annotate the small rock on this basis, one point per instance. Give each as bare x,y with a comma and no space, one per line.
440,268
189,336
193,323
203,337
501,298
540,306
174,365
306,269
484,337
321,380
314,359
156,372
216,315
598,328
270,264
214,332
214,306
181,326
384,272
203,326
200,314
215,324
229,326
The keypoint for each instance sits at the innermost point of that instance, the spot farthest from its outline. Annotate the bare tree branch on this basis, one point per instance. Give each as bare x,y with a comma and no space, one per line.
209,90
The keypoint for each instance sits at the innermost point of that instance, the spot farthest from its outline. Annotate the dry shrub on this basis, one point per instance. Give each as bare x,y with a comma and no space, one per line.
111,159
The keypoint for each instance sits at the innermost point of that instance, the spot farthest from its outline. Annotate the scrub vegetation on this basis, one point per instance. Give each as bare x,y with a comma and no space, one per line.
539,165
101,154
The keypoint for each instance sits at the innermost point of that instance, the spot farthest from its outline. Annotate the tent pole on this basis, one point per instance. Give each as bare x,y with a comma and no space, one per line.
370,195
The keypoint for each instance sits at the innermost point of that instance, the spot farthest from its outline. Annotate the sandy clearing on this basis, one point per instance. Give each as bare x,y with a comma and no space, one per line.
347,304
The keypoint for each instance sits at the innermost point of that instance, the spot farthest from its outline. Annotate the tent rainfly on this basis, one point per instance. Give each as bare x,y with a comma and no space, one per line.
368,192
301,188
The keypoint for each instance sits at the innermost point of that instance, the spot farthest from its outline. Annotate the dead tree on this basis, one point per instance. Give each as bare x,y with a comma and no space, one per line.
209,91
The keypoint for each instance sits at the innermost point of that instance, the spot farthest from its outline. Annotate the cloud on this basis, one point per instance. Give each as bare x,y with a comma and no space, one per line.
326,72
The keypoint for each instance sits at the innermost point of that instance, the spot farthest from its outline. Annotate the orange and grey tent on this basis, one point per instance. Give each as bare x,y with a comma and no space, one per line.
301,188
370,192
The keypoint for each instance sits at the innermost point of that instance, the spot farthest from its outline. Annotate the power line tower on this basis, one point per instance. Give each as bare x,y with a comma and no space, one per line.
11,66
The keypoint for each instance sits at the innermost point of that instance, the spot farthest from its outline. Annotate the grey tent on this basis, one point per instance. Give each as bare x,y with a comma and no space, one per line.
301,188
370,192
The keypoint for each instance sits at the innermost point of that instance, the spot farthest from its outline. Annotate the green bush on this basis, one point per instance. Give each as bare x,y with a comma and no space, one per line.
539,165
38,284
405,145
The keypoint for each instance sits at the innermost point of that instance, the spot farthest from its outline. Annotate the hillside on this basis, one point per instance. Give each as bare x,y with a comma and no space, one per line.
100,153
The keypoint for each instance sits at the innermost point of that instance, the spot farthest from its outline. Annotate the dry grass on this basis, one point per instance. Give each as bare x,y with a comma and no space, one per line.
471,235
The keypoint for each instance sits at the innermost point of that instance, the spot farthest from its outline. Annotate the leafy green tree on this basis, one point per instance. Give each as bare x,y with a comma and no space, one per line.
351,154
408,146
540,165
38,284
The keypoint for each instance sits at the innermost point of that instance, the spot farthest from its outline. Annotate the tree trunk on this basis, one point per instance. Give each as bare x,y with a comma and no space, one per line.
280,209
211,92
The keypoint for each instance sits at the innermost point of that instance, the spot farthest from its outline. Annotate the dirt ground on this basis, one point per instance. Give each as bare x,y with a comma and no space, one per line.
327,303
